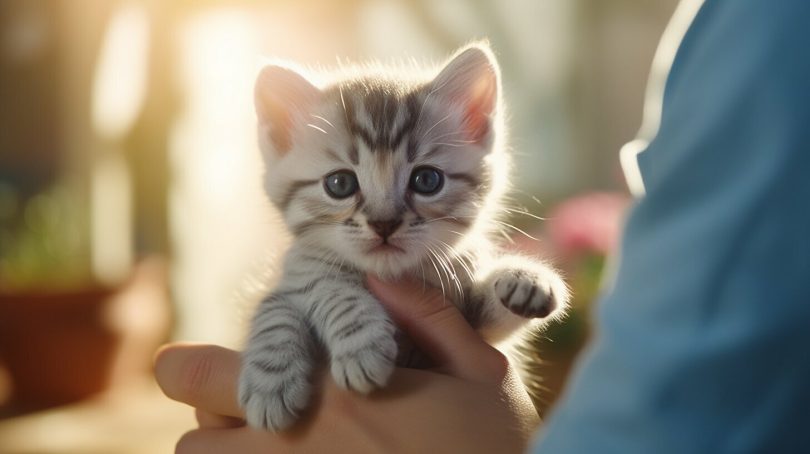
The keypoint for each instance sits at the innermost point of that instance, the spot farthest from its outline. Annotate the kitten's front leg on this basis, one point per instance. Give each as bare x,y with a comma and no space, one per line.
277,365
358,334
527,289
529,293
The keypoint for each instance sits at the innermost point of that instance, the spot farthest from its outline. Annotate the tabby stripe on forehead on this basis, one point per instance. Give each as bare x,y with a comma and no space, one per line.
355,128
353,154
364,135
389,132
384,110
293,189
381,111
433,150
465,177
334,155
411,115
411,149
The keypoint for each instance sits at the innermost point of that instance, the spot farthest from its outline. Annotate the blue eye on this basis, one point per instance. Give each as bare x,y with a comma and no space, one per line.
426,180
341,184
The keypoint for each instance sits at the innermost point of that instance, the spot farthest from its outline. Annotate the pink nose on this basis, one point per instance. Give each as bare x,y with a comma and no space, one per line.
385,228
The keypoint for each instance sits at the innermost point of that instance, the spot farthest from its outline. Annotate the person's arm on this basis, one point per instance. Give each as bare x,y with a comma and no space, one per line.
703,345
472,403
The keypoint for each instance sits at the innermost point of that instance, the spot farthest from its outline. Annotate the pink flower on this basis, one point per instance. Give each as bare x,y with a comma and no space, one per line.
587,223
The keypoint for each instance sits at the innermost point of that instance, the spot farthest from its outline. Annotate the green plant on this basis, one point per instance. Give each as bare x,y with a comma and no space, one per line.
44,241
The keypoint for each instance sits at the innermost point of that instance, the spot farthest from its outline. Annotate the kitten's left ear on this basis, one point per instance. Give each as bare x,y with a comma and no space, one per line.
471,80
283,97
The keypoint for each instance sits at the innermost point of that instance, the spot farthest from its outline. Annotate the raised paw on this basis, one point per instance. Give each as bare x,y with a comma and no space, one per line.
273,396
526,294
366,366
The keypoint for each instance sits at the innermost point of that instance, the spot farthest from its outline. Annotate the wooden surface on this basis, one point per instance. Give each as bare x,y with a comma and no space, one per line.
136,419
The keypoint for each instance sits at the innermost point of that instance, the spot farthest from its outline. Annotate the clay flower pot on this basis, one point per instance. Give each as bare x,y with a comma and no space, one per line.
62,347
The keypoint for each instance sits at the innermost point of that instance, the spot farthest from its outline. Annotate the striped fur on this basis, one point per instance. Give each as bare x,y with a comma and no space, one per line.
381,127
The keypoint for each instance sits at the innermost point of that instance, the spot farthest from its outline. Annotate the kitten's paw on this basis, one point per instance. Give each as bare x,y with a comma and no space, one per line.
529,294
273,398
365,366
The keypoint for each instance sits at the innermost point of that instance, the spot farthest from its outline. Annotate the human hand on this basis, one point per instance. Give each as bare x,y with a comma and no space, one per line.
472,402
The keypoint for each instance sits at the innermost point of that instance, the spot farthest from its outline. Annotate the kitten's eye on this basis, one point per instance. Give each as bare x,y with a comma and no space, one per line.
426,180
341,184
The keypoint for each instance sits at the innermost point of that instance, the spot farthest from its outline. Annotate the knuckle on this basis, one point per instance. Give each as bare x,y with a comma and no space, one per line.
340,402
203,417
165,370
437,310
196,374
351,414
186,444
344,407
429,297
497,363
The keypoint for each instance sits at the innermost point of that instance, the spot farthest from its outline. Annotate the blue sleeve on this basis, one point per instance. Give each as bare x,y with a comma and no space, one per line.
703,343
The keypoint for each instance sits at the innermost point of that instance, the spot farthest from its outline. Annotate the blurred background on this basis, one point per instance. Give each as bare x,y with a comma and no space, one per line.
130,204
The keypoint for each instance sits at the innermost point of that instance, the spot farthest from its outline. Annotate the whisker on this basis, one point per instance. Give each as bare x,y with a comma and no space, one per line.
424,281
522,211
324,120
421,108
459,259
451,134
433,258
317,128
333,263
343,102
496,221
455,218
444,295
446,144
450,266
508,225
424,134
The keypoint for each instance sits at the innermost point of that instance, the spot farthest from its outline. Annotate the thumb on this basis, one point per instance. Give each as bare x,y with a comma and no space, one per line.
437,327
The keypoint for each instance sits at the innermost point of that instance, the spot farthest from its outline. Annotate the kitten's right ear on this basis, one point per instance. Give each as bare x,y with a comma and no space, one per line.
471,81
282,98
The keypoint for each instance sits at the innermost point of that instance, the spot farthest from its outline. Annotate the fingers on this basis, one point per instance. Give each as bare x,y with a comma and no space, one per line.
208,420
242,441
440,331
203,376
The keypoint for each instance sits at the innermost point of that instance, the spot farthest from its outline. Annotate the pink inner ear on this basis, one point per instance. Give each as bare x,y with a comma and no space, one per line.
282,96
280,124
479,108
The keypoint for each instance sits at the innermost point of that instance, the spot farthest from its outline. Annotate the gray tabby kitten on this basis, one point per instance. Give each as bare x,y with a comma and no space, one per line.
378,173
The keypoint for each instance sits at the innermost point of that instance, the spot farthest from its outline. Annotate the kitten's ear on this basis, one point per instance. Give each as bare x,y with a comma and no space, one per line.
282,98
471,80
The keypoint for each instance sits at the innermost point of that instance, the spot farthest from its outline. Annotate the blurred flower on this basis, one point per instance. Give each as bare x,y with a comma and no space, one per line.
589,223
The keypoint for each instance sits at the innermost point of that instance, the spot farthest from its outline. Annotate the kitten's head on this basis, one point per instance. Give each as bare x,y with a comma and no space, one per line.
381,171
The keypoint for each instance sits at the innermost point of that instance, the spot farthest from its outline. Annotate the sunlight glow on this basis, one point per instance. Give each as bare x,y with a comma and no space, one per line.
216,204
119,84
111,220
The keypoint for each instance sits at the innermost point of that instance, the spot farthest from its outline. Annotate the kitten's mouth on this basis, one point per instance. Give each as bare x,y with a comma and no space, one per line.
386,248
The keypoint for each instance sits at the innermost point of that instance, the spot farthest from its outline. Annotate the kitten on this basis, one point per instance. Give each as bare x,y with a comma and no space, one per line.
394,177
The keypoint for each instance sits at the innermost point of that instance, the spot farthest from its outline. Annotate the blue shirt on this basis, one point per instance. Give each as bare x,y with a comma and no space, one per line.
703,343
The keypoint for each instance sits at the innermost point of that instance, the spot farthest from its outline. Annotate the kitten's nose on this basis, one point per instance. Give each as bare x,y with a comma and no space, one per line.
386,227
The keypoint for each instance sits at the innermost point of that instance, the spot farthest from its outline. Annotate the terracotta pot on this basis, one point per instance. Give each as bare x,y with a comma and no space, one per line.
62,347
